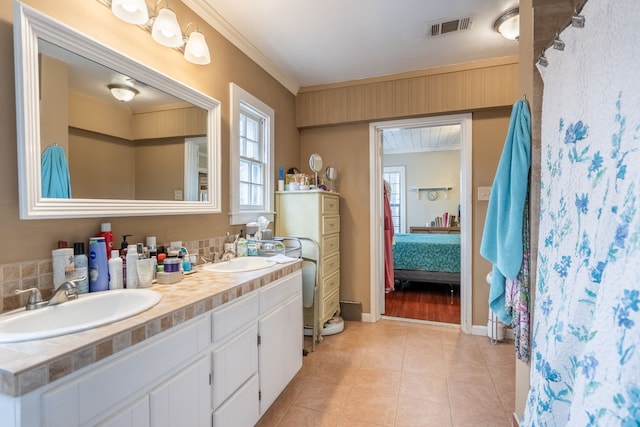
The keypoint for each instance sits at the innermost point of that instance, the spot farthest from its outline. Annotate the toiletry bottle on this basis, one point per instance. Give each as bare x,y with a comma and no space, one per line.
63,268
115,270
132,272
98,268
81,265
241,245
252,246
105,231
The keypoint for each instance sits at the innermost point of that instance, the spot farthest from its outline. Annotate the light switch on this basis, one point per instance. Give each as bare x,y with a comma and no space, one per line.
484,193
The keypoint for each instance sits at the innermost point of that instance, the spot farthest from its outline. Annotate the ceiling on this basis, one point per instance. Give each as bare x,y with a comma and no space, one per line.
305,43
419,139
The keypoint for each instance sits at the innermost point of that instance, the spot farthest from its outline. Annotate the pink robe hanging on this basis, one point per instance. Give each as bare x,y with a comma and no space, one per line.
388,242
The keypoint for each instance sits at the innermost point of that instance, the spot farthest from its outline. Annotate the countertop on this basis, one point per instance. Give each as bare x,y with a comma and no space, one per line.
26,366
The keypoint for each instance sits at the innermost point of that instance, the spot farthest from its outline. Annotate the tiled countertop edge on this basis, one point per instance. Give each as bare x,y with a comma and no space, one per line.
16,384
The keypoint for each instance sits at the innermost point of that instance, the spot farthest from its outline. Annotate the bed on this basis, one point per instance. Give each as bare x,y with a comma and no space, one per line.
433,258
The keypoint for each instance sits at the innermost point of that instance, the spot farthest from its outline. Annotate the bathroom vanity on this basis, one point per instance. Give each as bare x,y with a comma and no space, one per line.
216,350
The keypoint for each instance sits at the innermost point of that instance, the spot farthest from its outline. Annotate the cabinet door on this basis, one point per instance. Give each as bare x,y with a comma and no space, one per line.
234,362
136,415
185,399
280,351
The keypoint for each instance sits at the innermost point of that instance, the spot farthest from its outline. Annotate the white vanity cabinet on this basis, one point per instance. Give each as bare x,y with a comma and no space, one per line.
207,371
281,338
258,352
168,378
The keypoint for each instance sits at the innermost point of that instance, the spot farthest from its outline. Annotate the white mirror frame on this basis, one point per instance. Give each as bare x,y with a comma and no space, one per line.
31,25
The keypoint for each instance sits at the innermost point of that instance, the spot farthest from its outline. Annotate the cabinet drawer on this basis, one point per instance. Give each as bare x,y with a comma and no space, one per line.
279,291
233,316
330,284
234,363
329,306
330,264
330,244
330,224
330,204
242,409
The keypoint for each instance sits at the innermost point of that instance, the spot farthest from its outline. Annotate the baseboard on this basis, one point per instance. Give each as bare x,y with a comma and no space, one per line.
482,330
475,329
515,421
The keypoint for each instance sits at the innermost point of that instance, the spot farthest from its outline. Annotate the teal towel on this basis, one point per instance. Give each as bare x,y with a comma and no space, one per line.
502,237
56,182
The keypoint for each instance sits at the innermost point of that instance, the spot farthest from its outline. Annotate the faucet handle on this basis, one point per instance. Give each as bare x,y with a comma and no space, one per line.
34,298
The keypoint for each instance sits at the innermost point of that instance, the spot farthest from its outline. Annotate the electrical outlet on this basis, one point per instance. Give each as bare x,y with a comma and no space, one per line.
484,193
177,194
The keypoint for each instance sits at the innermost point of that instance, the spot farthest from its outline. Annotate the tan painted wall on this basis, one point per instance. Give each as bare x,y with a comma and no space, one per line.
346,147
34,239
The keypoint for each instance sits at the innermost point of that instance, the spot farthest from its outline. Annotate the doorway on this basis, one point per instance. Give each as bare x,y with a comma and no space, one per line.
376,153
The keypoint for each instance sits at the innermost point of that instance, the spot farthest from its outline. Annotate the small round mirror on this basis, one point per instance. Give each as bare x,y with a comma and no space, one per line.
315,162
331,173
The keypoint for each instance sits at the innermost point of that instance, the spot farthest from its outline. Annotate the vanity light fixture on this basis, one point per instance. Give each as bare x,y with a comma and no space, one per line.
508,24
196,50
123,93
166,30
131,11
163,25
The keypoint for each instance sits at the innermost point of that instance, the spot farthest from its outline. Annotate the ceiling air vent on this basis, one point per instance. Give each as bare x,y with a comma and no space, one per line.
448,26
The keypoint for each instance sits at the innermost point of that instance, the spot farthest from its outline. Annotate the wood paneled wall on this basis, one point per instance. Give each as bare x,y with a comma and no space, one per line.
465,87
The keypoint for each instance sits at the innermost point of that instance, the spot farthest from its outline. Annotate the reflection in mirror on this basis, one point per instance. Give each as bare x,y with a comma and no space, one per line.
155,153
140,142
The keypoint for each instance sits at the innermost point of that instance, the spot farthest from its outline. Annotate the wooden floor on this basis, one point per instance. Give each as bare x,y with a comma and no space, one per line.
424,301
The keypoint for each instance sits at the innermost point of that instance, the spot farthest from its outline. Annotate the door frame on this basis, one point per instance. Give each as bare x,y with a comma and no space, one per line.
376,224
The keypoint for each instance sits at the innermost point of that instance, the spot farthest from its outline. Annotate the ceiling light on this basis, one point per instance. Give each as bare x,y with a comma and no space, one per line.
166,29
196,51
123,93
508,24
131,11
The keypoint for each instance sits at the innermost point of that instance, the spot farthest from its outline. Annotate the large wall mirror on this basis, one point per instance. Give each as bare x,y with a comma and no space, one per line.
155,154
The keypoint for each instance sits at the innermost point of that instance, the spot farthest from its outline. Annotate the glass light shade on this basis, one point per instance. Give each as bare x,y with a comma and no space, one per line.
131,11
166,29
509,24
197,51
123,93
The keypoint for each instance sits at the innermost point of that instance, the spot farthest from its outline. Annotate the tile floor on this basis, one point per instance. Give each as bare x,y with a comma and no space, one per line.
395,373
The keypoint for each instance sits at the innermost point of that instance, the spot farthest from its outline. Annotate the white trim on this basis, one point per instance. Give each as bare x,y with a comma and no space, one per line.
240,96
376,220
402,171
481,330
206,11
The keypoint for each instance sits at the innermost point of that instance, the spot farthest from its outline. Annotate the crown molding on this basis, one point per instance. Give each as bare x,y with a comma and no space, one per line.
217,21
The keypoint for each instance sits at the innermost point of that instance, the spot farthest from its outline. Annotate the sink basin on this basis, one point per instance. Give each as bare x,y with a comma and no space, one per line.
86,312
239,265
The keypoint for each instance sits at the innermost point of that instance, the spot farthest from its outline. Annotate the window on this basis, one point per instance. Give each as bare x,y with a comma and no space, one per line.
395,177
251,156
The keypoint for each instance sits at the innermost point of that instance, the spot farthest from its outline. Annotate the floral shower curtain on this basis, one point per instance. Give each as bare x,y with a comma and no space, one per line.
585,361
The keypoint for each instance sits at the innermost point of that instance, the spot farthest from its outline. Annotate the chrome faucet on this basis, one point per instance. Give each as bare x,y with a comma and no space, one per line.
227,255
66,292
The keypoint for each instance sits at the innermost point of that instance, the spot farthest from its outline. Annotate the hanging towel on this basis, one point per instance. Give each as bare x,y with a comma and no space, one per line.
56,182
502,237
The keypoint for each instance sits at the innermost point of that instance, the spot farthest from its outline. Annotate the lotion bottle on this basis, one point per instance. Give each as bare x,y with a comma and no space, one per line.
98,269
132,271
115,270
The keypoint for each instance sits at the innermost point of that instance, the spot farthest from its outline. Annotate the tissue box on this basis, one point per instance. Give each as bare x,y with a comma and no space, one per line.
169,278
